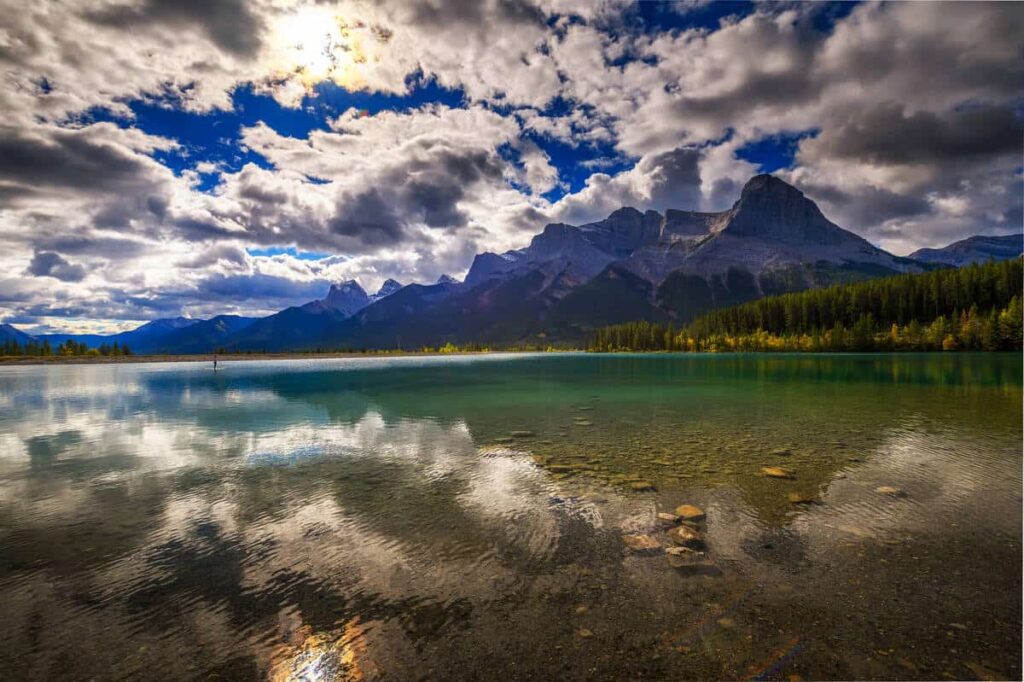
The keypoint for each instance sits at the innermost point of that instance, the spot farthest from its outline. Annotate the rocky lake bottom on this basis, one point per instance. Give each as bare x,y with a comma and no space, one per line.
550,516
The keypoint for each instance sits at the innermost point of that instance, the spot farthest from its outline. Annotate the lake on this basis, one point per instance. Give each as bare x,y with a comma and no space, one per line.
464,518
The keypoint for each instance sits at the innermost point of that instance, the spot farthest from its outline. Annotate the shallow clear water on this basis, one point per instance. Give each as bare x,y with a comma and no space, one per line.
463,518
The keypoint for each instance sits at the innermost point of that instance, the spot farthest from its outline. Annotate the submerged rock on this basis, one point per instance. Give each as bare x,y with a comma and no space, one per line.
889,490
642,486
777,472
686,536
641,543
521,434
689,512
682,551
668,518
797,498
585,633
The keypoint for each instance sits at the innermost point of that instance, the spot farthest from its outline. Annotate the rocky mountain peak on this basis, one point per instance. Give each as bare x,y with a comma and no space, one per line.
346,298
623,214
772,208
389,287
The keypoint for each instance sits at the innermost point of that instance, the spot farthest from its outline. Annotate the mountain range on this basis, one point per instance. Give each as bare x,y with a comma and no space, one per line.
978,249
572,279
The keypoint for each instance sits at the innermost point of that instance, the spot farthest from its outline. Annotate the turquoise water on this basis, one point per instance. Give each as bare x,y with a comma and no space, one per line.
463,518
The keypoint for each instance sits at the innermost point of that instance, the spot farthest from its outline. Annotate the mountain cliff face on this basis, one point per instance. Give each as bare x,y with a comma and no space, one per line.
979,249
345,299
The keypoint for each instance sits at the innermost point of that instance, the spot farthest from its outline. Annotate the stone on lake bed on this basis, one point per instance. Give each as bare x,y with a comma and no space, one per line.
521,434
727,623
641,543
584,422
683,552
642,486
777,472
686,536
889,490
690,512
781,453
665,516
585,633
797,498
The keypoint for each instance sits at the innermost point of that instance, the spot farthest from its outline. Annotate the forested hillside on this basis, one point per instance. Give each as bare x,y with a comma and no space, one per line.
977,307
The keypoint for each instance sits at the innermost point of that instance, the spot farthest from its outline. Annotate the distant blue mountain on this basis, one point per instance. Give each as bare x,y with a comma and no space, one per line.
137,339
977,249
202,336
9,333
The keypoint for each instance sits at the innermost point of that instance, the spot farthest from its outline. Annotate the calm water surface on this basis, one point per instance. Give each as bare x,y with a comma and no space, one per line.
463,518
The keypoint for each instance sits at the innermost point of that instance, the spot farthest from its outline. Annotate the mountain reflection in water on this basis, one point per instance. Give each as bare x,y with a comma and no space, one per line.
463,518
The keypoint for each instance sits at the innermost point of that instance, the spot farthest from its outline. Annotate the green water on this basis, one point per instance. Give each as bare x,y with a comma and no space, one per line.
463,518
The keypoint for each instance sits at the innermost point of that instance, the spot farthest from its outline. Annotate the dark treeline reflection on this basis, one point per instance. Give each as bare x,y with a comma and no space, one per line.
409,387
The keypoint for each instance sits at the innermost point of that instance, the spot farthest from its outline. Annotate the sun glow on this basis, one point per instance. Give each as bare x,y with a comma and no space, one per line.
316,45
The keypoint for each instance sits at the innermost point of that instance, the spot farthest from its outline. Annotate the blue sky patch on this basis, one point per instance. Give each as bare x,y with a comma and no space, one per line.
773,152
215,136
287,250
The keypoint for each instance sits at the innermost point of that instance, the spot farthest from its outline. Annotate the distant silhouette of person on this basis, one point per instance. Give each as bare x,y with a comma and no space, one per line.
214,362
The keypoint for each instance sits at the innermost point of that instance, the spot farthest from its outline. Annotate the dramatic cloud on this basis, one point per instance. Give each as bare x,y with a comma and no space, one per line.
161,157
50,264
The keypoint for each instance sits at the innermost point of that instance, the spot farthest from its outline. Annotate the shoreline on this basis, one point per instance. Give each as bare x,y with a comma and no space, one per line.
18,360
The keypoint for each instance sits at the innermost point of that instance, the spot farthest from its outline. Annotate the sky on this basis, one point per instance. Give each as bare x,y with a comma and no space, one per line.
199,157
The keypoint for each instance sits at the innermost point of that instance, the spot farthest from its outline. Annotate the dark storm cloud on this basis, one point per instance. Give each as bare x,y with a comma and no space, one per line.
229,24
258,286
425,189
201,229
369,219
70,158
888,135
676,178
446,12
50,264
107,247
867,206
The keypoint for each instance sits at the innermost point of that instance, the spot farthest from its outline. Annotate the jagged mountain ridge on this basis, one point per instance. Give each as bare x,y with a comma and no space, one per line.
571,279
771,225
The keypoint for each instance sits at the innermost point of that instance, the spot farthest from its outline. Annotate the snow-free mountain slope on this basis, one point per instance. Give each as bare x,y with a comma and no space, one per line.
977,249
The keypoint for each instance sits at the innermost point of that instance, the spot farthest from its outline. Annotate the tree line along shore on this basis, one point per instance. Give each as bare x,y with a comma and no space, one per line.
974,308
